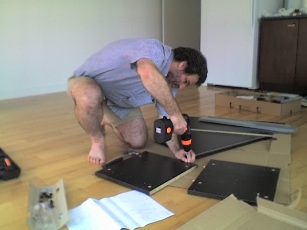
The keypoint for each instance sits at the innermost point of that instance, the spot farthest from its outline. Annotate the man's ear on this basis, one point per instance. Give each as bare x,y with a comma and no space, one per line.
182,65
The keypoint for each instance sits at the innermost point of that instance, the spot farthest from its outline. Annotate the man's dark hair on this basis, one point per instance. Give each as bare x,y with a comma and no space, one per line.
197,63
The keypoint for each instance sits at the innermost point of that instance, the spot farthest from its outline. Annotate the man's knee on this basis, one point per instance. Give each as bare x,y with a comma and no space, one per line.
134,133
70,83
138,142
84,90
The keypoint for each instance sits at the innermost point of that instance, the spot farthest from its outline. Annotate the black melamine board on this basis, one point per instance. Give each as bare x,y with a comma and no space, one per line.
220,179
206,143
147,172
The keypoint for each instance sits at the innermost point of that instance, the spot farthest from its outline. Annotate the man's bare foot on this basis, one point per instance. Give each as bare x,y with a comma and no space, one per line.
96,155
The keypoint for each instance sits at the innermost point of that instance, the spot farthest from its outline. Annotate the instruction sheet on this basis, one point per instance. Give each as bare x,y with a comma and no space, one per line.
128,210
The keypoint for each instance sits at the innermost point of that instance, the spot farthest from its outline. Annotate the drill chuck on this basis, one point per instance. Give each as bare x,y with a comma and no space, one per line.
186,141
186,137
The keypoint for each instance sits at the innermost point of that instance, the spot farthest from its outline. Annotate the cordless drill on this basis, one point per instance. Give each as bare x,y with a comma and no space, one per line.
163,130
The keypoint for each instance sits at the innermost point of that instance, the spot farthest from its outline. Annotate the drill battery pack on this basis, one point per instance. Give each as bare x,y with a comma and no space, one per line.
8,168
163,129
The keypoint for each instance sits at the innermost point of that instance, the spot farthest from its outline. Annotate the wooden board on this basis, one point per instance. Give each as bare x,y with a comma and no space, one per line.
147,172
219,179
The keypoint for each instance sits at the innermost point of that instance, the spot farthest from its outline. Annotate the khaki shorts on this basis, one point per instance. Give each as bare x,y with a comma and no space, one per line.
134,113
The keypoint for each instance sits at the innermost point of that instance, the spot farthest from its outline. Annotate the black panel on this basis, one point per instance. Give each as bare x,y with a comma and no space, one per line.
220,179
206,143
146,172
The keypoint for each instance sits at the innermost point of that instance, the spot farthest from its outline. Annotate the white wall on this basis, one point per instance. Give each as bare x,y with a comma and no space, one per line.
295,4
229,39
43,41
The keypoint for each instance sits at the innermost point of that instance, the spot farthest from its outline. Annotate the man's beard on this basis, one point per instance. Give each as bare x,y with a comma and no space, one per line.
172,81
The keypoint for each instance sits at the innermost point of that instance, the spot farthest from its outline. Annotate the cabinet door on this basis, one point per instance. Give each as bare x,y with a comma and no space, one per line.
277,52
301,64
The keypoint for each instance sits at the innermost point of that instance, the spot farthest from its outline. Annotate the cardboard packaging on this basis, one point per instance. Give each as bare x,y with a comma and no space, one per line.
264,103
237,214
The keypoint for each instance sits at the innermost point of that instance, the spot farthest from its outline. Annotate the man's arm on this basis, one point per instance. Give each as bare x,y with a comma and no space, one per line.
179,153
157,86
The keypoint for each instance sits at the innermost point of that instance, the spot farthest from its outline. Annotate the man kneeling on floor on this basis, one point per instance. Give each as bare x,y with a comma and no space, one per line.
110,87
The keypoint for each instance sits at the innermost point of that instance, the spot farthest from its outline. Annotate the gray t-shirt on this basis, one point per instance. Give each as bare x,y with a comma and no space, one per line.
114,68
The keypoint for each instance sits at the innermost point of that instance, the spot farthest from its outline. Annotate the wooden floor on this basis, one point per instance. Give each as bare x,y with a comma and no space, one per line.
41,134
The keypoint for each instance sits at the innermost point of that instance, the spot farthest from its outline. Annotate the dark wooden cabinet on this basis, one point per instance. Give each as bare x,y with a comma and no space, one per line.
301,62
282,56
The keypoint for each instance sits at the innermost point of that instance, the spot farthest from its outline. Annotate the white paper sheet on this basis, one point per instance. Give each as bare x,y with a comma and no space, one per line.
129,210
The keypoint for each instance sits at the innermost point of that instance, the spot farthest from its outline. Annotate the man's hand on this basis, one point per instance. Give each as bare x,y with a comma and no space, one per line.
180,154
185,157
179,123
